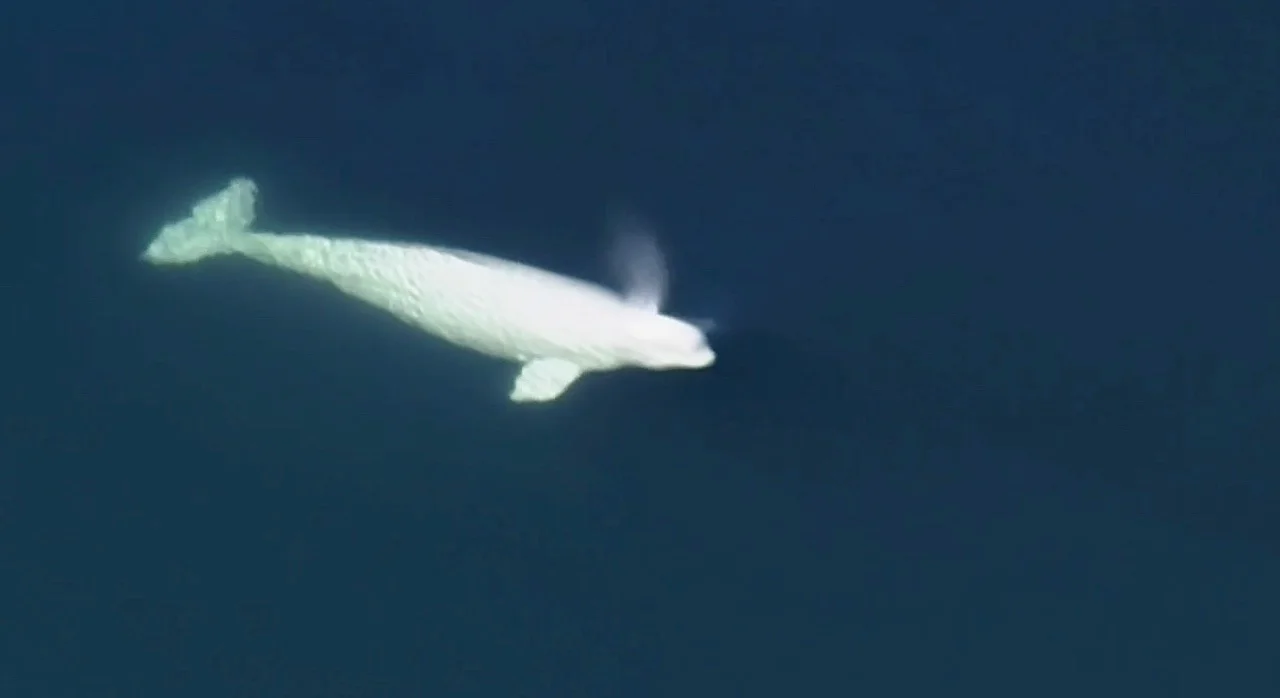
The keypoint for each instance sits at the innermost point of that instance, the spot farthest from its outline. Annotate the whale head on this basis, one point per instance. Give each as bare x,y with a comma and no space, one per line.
662,342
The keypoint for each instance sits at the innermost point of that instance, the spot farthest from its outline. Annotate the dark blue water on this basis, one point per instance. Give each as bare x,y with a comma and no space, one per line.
994,412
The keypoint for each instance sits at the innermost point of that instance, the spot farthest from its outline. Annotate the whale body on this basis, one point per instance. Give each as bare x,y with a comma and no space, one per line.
556,327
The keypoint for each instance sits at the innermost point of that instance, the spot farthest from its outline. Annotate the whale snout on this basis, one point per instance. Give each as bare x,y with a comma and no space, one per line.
702,357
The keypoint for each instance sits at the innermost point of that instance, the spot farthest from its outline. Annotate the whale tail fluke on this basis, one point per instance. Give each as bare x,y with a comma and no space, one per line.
212,228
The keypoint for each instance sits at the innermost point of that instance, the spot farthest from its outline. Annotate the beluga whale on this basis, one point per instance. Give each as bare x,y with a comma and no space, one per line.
556,328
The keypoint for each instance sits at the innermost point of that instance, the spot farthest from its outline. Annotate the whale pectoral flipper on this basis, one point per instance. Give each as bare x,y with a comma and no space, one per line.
542,380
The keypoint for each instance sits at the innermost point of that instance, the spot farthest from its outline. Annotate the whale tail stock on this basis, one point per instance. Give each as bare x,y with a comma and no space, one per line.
212,228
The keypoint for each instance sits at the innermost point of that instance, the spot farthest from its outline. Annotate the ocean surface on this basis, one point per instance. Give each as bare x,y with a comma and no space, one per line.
995,297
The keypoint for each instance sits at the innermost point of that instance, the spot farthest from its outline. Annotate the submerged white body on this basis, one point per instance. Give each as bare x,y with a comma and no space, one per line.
555,326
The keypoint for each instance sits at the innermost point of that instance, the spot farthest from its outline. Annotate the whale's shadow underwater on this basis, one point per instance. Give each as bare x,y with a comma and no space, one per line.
1188,435
818,412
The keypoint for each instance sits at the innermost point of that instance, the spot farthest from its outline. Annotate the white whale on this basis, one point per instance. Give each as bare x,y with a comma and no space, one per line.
556,327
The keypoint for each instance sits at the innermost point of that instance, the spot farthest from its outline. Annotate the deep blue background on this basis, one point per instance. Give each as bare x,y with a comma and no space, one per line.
995,411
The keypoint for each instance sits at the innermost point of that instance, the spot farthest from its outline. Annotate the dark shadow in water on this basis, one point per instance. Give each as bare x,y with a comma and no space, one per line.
1183,439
